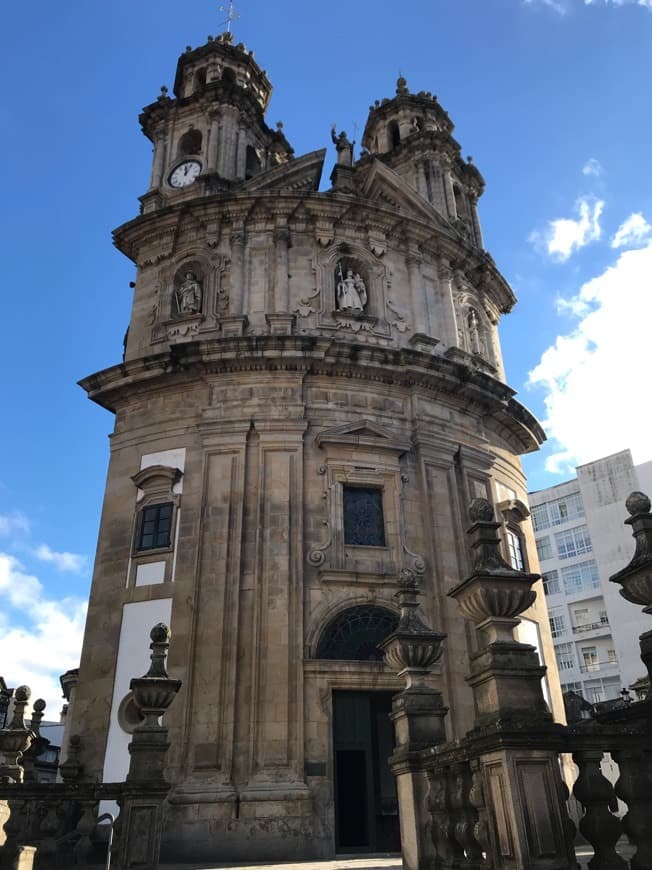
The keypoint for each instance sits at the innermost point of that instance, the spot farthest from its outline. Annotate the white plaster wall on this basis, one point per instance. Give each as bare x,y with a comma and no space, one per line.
171,459
138,619
150,573
527,631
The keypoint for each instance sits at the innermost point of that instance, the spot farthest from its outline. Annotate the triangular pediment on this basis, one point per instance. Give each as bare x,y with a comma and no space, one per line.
381,184
301,174
364,433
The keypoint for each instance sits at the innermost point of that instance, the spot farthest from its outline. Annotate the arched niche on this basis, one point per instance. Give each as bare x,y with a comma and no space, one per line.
190,143
354,634
252,162
188,294
393,134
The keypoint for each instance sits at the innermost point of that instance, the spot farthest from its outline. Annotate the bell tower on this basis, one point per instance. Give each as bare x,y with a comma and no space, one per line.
413,135
311,395
212,134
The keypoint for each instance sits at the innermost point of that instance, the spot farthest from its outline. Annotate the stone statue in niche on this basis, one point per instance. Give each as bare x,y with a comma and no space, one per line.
343,146
189,295
475,341
351,290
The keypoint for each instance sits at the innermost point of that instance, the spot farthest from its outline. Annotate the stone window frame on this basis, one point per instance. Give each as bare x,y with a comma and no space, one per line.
514,513
155,484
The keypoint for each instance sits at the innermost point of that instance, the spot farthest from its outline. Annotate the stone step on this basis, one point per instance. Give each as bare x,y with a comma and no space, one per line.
392,862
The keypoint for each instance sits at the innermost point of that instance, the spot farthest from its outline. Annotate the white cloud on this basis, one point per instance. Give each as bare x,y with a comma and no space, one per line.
592,376
632,233
61,561
40,638
562,6
15,522
592,167
564,236
557,5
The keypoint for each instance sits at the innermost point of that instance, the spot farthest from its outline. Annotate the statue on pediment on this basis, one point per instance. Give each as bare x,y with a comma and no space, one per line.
343,146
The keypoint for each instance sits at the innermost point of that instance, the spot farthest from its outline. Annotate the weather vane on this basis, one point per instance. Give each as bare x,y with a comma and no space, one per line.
231,15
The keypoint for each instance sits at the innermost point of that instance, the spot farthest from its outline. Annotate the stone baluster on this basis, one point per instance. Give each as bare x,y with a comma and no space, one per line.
465,816
15,739
418,716
38,745
477,801
14,855
146,788
598,824
84,829
634,787
449,853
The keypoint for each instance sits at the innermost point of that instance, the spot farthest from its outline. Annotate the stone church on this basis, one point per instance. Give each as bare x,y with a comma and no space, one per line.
312,392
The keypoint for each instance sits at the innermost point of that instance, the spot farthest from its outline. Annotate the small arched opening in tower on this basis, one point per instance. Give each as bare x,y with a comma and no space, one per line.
393,134
460,202
190,143
200,80
228,76
252,163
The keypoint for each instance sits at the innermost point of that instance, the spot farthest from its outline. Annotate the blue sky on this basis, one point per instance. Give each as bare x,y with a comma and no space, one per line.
551,97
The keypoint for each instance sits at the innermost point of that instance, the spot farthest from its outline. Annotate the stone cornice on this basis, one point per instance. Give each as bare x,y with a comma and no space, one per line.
158,229
478,393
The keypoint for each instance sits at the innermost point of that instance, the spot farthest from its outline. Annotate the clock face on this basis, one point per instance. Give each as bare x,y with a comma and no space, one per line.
185,173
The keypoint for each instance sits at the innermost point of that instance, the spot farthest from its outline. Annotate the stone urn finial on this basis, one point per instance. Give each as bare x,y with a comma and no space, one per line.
155,691
636,578
15,739
494,594
414,647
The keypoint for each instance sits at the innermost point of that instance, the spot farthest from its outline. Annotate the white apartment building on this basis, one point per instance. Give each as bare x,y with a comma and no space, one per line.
581,540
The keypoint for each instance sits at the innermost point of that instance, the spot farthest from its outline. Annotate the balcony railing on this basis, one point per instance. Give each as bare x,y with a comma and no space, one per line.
590,626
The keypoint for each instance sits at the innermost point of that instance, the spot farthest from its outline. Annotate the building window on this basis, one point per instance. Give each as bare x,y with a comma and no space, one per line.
355,634
155,526
564,510
571,687
551,584
596,694
540,518
604,619
565,656
590,658
557,623
611,656
364,524
515,550
573,542
581,577
544,550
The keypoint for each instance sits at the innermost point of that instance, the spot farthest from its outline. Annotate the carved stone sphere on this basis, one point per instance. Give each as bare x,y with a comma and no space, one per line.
160,633
22,694
638,503
481,511
39,706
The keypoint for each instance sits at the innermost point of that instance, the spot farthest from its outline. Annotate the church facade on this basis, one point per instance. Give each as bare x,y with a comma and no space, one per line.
311,395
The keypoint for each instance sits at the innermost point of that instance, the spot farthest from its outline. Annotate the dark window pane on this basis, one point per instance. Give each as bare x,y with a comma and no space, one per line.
354,635
364,525
155,526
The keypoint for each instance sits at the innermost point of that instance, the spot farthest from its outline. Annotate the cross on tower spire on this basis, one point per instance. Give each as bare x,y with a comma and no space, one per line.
231,15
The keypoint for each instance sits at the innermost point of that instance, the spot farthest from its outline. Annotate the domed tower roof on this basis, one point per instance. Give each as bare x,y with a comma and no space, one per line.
413,134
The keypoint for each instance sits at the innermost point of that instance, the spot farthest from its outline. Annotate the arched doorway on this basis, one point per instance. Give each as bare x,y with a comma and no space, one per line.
366,806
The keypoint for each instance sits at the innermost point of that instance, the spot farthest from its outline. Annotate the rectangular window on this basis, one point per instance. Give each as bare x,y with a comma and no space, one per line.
565,509
544,550
604,619
540,519
581,616
565,656
551,584
571,687
364,524
590,658
573,542
155,526
514,550
611,656
582,577
557,623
